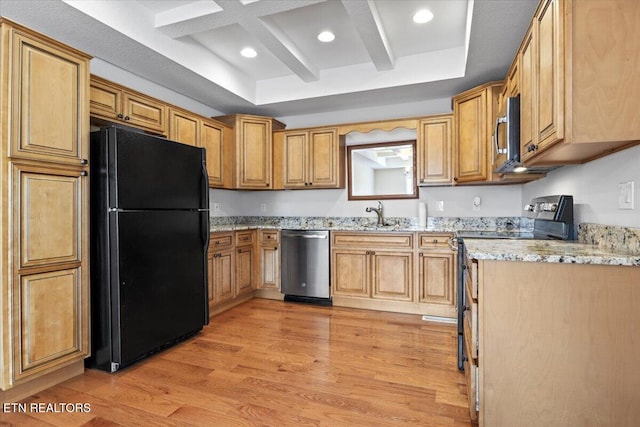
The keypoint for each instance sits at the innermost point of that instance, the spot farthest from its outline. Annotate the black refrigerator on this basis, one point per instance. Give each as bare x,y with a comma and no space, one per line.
149,237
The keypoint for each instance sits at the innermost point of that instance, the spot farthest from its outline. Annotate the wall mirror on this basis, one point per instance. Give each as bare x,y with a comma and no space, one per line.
381,170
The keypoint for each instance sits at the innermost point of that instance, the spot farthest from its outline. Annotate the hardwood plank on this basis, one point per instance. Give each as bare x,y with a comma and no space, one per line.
275,363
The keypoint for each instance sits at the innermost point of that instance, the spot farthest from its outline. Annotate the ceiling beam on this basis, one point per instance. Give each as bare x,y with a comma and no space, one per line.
365,18
248,16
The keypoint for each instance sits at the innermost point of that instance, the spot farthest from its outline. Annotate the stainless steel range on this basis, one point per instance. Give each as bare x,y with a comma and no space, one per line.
553,219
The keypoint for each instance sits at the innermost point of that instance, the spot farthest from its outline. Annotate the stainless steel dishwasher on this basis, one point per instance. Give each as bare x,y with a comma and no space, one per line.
305,266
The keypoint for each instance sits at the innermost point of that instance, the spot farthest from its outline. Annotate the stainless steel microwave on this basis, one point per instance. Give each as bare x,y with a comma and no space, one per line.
506,138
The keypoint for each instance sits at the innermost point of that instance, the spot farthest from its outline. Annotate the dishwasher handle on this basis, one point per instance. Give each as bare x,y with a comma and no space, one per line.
306,235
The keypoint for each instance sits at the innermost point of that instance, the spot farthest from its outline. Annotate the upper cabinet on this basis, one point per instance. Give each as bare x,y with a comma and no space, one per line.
217,140
253,150
579,78
434,150
313,159
184,127
48,89
116,103
473,113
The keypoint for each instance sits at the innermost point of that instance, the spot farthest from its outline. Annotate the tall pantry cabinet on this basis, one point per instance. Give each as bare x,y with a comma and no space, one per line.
44,291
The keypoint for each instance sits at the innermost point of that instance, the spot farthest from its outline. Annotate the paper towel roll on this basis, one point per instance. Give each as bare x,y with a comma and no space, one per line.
422,214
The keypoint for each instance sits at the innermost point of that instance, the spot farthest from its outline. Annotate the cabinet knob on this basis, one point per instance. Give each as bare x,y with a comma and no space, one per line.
84,173
84,161
127,118
267,184
120,116
455,178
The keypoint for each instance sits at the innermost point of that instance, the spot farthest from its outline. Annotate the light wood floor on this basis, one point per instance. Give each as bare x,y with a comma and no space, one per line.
271,363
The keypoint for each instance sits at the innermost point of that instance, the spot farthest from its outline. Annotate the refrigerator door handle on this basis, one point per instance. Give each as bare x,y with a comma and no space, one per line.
204,200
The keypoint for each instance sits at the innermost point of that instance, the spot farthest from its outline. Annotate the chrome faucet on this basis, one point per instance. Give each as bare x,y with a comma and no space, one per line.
379,211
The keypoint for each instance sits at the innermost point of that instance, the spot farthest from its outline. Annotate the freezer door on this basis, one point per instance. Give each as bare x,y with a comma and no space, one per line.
161,294
147,172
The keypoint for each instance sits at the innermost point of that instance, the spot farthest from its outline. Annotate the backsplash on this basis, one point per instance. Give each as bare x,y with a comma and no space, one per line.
610,237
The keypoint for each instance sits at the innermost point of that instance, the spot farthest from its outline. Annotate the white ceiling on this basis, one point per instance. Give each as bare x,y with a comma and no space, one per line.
379,56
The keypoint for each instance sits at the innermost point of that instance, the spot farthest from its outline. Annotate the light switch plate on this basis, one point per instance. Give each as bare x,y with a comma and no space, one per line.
626,195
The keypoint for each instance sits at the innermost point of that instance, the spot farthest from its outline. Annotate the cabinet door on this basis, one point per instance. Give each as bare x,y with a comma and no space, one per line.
471,128
105,100
323,158
350,273
50,216
144,112
549,83
527,93
295,160
184,127
50,324
270,268
253,153
436,278
392,275
222,272
244,270
434,150
49,91
212,140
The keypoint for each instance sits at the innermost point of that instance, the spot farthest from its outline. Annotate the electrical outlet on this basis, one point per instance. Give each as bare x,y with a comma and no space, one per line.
216,207
440,205
626,195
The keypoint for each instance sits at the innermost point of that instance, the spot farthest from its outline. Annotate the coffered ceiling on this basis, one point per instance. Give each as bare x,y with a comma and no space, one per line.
379,55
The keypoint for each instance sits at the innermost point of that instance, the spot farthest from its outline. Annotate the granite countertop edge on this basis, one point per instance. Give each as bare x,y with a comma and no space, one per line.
554,251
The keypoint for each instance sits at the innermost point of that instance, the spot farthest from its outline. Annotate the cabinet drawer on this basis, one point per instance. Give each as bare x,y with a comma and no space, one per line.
269,237
433,240
373,240
244,238
471,377
220,241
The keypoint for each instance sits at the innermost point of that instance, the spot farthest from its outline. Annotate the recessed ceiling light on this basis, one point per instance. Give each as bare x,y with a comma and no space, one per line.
249,52
422,16
326,36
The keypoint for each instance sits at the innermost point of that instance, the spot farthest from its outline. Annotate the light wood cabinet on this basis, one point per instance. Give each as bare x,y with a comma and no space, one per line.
473,113
377,266
44,217
253,150
434,150
269,260
114,103
566,333
232,266
245,261
436,274
184,127
217,140
582,92
221,269
313,159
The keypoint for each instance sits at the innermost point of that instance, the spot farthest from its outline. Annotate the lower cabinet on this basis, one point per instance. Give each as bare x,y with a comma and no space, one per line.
269,260
231,265
389,271
556,343
245,262
436,274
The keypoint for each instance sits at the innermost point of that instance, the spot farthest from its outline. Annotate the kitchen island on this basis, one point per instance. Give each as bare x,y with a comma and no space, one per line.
551,333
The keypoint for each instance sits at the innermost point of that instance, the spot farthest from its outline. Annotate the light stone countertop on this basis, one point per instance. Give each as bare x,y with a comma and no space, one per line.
547,251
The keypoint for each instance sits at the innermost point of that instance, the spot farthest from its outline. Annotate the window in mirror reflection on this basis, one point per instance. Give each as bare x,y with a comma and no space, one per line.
382,171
